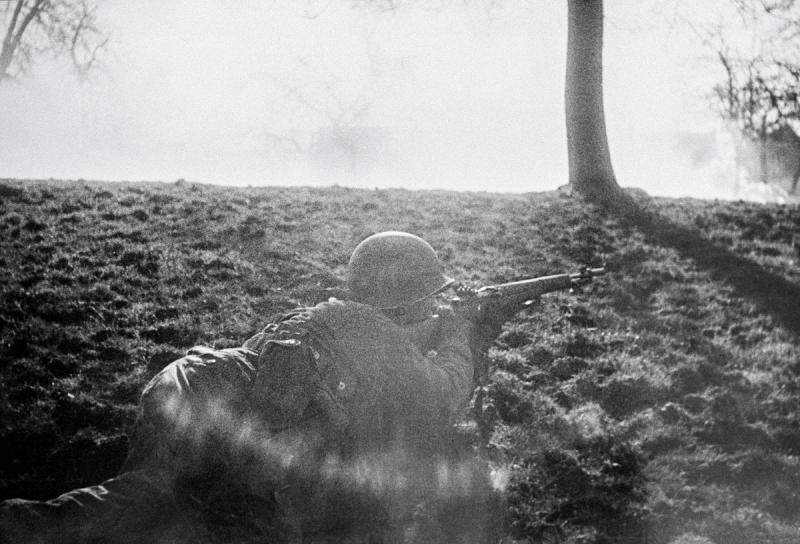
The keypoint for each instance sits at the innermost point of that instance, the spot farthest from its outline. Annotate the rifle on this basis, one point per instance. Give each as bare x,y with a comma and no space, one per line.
483,304
488,307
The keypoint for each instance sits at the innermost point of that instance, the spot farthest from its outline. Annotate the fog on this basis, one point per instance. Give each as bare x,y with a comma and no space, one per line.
311,93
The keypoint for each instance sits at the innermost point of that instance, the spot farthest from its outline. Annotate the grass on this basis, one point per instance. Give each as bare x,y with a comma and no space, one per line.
661,405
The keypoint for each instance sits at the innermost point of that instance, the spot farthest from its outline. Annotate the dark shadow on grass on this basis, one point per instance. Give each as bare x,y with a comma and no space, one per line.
771,293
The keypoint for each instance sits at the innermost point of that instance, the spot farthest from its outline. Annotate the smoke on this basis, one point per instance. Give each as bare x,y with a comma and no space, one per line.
461,97
500,478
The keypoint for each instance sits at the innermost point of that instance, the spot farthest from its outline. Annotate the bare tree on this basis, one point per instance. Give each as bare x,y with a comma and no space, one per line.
340,133
755,42
34,28
759,95
590,169
328,119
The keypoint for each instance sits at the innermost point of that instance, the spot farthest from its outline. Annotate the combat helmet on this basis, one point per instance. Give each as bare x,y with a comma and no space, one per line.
392,269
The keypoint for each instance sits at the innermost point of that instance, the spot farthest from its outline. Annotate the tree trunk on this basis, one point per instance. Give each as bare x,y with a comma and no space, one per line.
5,62
762,157
7,52
590,170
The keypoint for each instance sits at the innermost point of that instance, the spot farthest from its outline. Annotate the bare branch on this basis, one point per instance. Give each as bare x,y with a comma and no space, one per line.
30,16
12,25
60,27
9,45
286,141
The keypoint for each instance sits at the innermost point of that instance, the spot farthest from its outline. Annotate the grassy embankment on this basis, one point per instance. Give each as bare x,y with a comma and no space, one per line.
661,402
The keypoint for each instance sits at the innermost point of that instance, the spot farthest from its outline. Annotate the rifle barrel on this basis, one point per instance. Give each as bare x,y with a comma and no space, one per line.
541,285
534,286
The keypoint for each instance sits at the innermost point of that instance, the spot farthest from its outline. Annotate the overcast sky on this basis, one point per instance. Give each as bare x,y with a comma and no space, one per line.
248,92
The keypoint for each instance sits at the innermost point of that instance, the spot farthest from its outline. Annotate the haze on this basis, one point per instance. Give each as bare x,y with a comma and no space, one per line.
465,98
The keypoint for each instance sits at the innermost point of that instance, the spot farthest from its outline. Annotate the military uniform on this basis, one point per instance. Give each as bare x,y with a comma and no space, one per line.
330,422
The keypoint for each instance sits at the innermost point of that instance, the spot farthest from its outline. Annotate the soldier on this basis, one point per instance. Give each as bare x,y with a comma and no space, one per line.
333,423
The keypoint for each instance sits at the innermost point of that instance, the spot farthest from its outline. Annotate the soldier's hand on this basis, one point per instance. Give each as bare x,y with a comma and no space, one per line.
452,328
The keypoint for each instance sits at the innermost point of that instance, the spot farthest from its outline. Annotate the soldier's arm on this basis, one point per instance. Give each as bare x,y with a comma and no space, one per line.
446,347
191,396
453,352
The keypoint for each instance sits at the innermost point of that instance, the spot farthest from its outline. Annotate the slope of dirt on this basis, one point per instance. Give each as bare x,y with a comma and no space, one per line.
660,405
